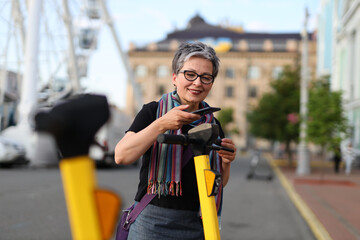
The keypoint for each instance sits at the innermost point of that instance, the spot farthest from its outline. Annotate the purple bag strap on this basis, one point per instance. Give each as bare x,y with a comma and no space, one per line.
146,199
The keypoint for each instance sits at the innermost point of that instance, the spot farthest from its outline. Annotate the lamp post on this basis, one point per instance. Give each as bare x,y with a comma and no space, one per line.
303,167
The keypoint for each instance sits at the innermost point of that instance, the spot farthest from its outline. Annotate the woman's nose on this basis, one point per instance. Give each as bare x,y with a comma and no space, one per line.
197,82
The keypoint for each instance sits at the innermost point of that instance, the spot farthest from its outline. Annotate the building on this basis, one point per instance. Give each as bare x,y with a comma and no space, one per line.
9,96
248,63
345,66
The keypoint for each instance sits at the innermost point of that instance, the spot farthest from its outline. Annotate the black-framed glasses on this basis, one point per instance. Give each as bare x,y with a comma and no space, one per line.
192,76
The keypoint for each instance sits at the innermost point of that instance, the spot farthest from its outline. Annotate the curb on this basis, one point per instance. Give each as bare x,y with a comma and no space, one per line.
315,225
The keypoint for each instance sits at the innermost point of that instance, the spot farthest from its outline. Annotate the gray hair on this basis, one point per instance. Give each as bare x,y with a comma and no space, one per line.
187,50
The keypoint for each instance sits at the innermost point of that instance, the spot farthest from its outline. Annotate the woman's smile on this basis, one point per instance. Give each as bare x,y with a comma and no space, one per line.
194,91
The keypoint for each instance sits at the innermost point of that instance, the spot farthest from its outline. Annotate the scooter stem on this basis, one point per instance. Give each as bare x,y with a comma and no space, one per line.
207,203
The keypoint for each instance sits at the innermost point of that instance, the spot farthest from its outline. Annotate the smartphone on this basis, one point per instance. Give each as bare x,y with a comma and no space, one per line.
206,110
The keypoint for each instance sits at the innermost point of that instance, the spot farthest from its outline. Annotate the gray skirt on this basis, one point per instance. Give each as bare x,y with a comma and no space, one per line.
158,223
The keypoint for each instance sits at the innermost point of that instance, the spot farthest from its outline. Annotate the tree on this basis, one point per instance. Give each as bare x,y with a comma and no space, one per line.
275,117
326,125
225,117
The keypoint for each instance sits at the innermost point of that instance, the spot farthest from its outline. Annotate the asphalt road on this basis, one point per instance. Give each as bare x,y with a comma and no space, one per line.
32,204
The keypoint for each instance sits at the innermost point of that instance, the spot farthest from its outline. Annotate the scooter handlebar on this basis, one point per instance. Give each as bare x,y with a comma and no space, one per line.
184,140
173,139
216,147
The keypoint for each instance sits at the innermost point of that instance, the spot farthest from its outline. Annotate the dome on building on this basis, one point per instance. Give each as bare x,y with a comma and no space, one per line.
196,20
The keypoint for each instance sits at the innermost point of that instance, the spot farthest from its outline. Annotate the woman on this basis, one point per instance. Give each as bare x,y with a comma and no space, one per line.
174,213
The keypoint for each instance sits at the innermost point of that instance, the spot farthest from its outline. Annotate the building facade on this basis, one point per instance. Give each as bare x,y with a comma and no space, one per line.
345,67
248,63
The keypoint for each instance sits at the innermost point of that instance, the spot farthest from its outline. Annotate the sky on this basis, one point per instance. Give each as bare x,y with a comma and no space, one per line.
143,21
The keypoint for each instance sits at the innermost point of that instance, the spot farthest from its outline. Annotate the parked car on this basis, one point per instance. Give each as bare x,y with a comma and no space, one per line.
11,152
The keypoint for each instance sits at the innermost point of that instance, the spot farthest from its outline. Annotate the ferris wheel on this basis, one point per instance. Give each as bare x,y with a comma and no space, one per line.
67,36
46,47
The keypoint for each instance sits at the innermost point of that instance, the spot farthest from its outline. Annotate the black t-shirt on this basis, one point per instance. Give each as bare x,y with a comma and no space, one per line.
190,197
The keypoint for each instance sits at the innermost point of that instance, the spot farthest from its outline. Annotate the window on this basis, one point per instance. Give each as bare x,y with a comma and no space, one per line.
352,67
161,90
254,72
162,71
141,71
252,92
279,45
230,73
229,91
256,45
276,72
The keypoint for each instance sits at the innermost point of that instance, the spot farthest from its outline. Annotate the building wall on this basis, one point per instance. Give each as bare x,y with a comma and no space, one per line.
347,49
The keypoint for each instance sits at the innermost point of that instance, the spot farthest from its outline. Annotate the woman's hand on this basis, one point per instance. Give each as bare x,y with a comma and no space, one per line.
177,117
133,145
227,157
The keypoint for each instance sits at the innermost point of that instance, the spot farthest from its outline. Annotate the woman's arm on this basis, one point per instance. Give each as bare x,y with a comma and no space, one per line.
133,145
227,158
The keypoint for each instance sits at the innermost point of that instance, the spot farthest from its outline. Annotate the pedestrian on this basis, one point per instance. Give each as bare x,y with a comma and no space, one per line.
349,158
337,159
174,213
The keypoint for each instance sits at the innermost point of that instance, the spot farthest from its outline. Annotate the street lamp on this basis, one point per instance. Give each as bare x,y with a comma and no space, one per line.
303,167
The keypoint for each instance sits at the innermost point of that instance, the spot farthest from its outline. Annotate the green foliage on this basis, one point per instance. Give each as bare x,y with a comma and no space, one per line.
326,125
269,119
275,117
225,117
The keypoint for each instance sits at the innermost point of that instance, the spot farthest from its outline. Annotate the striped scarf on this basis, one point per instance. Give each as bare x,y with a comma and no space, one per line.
164,175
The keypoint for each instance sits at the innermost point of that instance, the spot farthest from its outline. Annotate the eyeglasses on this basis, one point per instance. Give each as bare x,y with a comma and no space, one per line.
192,76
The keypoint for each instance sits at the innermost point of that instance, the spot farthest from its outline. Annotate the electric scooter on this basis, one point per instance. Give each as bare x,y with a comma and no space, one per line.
202,139
254,163
92,212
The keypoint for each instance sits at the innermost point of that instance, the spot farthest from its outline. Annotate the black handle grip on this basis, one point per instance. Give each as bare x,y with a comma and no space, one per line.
227,149
173,139
217,148
218,142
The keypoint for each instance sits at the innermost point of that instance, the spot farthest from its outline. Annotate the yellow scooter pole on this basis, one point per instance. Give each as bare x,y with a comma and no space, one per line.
93,212
207,201
201,138
78,177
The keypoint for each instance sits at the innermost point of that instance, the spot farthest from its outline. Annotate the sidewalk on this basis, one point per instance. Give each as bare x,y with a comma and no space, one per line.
329,202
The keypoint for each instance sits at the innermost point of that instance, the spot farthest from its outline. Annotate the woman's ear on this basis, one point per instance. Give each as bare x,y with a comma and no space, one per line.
174,79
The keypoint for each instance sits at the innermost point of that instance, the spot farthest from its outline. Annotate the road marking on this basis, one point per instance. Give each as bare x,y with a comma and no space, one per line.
315,225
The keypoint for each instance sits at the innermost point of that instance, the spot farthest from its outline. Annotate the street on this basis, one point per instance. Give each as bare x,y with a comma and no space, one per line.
33,204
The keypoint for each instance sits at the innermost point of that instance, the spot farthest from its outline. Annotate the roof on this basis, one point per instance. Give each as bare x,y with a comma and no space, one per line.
198,29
